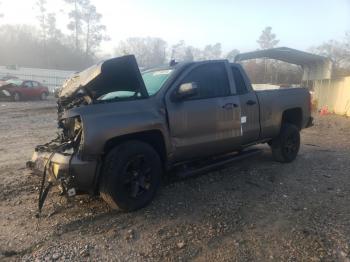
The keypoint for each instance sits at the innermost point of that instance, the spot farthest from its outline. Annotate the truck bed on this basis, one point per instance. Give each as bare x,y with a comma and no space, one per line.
273,103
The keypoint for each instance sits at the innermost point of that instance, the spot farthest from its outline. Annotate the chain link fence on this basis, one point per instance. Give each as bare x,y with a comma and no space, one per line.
50,78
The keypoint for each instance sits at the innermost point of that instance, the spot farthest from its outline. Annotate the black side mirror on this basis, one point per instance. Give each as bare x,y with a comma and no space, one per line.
186,90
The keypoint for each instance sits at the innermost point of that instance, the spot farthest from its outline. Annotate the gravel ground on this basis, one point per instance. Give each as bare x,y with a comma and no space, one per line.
255,210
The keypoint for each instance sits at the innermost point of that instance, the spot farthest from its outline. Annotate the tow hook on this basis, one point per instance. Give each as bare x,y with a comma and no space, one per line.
71,192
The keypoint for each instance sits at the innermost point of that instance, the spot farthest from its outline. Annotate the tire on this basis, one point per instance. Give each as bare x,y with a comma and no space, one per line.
43,96
131,176
16,97
286,146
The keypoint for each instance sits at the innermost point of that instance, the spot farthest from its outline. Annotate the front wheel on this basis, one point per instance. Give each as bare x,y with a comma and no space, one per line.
16,97
131,176
286,146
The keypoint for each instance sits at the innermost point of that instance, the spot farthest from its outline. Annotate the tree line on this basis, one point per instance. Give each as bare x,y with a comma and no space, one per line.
46,46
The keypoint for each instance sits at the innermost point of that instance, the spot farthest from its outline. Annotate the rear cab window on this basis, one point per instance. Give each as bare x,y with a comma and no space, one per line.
241,87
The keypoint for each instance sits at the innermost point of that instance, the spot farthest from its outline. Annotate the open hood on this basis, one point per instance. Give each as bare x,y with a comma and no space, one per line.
116,74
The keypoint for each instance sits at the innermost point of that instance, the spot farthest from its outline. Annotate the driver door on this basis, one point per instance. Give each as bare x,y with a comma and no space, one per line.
208,122
36,89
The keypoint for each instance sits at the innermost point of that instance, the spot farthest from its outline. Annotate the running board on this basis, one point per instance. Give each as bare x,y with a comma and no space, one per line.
216,163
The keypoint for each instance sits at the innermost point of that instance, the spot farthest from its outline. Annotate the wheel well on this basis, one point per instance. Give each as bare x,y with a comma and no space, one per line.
293,116
153,137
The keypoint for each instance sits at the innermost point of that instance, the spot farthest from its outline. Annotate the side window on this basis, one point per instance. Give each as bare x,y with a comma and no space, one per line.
27,84
211,80
239,81
35,84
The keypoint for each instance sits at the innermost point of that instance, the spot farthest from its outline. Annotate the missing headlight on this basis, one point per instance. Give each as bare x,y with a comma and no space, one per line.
72,127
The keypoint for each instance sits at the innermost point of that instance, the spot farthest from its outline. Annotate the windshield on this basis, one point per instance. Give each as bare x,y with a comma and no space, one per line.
119,95
16,82
153,80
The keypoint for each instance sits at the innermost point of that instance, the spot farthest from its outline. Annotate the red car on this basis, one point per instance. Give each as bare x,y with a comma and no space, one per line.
23,89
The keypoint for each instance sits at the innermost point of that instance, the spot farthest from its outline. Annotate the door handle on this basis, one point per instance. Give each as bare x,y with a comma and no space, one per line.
250,102
229,106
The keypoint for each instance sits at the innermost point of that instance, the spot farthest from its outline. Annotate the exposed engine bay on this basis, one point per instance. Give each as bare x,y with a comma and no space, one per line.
54,159
61,160
88,86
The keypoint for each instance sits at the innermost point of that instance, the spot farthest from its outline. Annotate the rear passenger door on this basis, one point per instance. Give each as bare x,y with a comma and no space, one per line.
250,118
36,91
27,89
209,122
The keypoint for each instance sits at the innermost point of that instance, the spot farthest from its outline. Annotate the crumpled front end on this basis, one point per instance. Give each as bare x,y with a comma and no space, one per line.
112,75
61,163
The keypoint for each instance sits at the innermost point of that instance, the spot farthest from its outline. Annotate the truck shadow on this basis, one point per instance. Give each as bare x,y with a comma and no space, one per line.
191,199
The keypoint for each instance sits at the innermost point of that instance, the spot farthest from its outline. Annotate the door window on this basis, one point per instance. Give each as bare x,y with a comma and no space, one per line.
35,84
28,84
211,80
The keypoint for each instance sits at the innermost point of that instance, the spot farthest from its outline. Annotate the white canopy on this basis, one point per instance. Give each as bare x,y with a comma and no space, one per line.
315,67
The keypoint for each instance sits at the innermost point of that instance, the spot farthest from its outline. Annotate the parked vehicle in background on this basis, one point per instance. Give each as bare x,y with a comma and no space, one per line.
17,90
122,131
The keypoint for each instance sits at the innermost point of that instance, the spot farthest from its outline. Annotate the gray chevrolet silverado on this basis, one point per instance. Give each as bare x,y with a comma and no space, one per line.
121,131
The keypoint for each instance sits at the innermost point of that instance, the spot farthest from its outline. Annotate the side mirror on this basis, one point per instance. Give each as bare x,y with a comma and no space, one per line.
186,90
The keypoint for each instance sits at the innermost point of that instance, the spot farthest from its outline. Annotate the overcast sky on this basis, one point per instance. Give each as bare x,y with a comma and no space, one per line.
236,24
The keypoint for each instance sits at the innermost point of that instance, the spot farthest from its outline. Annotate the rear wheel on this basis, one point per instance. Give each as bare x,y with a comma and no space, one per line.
16,97
286,146
130,176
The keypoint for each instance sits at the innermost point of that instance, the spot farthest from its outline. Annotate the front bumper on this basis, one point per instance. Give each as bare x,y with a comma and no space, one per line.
66,170
5,95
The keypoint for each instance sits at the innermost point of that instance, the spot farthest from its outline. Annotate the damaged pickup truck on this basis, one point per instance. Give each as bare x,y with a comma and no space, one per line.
121,131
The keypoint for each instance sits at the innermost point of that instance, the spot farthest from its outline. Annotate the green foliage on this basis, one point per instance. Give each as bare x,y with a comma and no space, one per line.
338,52
267,39
86,27
149,51
182,52
232,54
47,46
24,47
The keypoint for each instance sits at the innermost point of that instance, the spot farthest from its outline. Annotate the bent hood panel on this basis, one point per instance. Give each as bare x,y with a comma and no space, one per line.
116,74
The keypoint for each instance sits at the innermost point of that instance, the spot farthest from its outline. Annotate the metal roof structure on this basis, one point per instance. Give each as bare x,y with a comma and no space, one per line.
315,67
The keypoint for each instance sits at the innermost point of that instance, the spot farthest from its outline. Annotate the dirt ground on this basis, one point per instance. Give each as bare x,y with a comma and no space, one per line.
255,210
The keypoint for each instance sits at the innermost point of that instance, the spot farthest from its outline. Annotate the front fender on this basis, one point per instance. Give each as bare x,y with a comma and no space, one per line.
102,122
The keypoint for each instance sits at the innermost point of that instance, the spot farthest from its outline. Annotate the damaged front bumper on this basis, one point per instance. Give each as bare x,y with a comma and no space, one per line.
64,169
